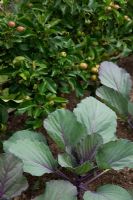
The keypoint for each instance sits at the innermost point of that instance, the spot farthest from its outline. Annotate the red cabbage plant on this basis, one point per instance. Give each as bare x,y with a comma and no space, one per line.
89,148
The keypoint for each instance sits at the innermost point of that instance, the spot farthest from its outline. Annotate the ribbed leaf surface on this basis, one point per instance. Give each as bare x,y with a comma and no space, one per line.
64,128
21,135
87,148
116,155
12,181
67,161
114,99
36,156
108,192
97,118
115,77
59,190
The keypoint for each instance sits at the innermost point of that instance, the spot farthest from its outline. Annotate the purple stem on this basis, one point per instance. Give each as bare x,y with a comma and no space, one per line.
130,123
59,173
88,175
1,194
83,187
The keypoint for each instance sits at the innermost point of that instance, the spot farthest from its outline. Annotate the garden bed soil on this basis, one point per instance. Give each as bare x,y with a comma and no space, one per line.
123,178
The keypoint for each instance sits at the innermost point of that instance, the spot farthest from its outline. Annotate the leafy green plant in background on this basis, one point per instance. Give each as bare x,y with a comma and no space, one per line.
3,117
115,92
89,148
3,114
49,48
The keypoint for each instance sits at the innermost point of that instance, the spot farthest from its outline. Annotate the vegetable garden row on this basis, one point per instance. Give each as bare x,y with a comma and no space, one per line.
49,50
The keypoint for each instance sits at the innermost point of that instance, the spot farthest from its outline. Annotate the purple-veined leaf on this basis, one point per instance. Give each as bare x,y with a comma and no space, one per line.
36,156
115,77
59,190
64,128
87,148
97,117
21,135
108,192
115,155
69,162
114,100
12,181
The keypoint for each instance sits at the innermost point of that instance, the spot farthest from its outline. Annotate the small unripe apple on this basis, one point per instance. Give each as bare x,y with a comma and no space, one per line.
11,24
27,98
109,8
30,5
64,105
97,66
116,6
83,65
127,18
93,77
21,29
63,54
51,102
94,70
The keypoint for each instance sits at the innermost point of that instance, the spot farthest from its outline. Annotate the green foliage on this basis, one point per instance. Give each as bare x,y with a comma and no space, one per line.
116,89
84,153
3,117
90,112
114,155
42,52
3,114
108,192
12,181
58,190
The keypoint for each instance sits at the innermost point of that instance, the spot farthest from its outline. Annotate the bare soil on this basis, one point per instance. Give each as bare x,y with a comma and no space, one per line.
122,178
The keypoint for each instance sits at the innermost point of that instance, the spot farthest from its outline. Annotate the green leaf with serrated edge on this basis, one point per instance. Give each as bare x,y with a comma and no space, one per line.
97,118
36,156
68,161
114,100
59,190
115,77
21,135
108,192
12,181
115,155
64,129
